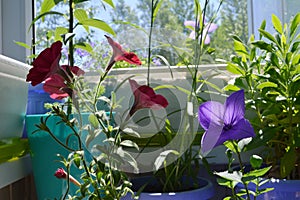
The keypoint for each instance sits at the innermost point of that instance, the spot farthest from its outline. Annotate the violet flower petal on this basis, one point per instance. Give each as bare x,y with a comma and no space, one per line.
211,138
212,27
190,23
235,108
242,129
207,39
211,113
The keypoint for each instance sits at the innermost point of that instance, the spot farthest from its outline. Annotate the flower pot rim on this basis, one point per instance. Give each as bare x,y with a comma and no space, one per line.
208,185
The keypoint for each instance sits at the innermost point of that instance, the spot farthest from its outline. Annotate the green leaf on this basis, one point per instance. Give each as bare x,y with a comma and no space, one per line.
230,87
230,145
266,84
275,60
44,14
131,132
109,2
59,31
66,37
267,35
296,59
224,182
252,54
240,48
97,23
234,176
22,44
237,38
47,5
277,24
129,143
77,159
81,15
198,9
88,48
79,1
258,172
262,27
287,163
162,158
244,142
156,6
93,120
265,190
256,161
295,46
263,45
295,24
234,69
128,158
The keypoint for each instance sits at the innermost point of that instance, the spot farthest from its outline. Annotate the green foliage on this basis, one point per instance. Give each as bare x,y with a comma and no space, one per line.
250,181
13,148
82,14
268,70
232,21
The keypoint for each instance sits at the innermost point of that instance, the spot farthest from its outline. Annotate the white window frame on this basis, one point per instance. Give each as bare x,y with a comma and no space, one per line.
253,11
15,28
1,27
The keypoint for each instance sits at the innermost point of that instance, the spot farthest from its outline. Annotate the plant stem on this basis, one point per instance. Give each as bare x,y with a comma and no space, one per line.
150,40
71,21
242,168
71,51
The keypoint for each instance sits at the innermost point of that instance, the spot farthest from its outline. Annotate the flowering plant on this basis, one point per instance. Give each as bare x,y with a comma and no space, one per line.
268,70
225,124
61,81
100,178
104,164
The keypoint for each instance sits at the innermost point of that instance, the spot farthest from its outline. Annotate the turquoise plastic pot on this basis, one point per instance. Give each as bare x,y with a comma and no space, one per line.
44,150
204,192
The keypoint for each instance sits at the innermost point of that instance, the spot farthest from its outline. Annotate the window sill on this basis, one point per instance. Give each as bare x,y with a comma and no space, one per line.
12,171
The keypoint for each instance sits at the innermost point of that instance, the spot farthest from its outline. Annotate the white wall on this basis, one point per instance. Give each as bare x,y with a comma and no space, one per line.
15,18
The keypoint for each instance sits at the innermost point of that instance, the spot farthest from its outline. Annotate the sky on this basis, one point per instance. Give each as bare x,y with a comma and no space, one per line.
129,2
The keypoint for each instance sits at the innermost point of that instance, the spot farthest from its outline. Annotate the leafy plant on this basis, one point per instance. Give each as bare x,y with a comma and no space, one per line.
101,177
268,70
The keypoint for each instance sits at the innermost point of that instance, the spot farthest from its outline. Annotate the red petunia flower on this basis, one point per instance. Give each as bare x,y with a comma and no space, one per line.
120,54
57,86
61,173
145,97
46,64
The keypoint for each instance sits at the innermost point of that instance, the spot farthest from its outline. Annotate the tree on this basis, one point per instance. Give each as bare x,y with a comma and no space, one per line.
123,13
233,20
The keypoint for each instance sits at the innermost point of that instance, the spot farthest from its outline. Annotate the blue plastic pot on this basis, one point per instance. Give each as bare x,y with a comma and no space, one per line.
205,191
37,98
283,189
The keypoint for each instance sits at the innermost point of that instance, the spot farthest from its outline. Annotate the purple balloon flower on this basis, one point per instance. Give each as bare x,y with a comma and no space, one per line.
208,28
224,122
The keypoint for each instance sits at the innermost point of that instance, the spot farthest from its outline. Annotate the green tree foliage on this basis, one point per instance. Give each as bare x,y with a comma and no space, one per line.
123,13
171,14
233,20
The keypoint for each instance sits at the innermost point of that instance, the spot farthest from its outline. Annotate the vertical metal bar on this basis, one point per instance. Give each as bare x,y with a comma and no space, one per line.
33,26
250,17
